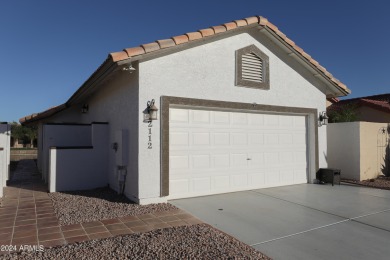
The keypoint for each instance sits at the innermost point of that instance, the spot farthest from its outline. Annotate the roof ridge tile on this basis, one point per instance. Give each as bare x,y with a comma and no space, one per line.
230,26
207,32
252,19
180,39
194,36
240,23
134,51
166,43
218,29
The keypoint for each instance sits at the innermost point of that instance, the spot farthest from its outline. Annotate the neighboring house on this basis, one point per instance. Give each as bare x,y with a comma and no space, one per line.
331,101
238,107
5,135
369,109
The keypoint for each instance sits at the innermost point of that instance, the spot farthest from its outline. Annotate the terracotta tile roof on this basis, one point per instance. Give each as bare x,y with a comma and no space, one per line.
49,112
136,52
379,102
213,30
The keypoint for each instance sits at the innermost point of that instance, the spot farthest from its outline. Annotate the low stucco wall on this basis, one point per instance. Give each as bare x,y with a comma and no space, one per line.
357,148
80,168
23,154
61,135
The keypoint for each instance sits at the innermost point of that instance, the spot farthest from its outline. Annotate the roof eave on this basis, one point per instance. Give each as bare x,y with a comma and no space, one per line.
334,86
35,118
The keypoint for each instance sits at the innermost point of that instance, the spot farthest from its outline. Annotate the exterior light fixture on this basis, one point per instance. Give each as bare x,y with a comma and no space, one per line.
85,109
323,118
129,68
150,112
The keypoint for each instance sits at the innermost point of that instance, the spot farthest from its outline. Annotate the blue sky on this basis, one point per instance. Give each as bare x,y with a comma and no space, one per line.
49,48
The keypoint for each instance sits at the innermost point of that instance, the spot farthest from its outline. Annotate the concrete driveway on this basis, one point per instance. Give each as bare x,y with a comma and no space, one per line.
304,221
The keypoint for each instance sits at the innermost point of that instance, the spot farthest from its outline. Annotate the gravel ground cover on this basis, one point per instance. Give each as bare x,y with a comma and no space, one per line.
97,204
187,242
381,182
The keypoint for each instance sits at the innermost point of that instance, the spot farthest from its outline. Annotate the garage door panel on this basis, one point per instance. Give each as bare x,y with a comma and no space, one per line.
178,187
217,151
221,118
221,160
238,139
272,177
240,119
286,121
256,120
201,184
257,179
200,138
179,162
179,115
201,161
200,117
287,175
221,138
240,180
239,160
221,182
256,139
179,138
271,139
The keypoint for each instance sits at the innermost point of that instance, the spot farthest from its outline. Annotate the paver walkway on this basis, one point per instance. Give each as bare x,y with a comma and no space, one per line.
27,216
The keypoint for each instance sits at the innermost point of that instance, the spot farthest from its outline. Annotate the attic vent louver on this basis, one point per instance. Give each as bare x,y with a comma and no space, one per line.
252,68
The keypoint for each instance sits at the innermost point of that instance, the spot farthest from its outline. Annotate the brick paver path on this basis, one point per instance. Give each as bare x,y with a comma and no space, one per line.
27,216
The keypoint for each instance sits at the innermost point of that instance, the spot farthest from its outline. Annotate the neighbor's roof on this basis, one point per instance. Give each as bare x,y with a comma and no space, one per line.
379,102
136,53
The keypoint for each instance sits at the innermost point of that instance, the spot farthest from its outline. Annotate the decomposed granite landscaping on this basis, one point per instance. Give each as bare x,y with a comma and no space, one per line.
99,224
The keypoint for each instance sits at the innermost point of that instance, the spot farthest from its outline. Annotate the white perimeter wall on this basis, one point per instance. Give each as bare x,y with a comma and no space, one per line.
117,104
62,135
208,72
5,138
80,169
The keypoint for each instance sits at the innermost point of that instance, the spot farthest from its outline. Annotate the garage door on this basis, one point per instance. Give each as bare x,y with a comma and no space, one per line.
214,152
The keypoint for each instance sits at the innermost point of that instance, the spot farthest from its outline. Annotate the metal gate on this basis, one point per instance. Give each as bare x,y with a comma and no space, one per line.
383,150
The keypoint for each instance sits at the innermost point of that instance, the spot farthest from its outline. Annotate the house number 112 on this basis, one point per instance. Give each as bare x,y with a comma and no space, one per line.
150,135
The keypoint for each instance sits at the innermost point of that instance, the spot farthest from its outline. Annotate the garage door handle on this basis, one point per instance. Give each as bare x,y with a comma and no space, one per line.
248,159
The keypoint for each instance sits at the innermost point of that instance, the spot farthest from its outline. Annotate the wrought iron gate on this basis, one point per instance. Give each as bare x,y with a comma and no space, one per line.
383,150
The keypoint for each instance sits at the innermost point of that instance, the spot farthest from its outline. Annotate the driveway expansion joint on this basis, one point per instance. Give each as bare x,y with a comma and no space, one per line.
353,219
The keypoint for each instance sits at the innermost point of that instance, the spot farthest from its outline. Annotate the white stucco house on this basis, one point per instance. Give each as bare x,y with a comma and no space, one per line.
5,144
238,108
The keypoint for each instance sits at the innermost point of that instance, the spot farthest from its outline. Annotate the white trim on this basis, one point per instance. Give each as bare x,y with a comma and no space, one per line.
52,169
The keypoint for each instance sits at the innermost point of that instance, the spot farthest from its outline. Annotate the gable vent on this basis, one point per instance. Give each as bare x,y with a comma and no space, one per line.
252,68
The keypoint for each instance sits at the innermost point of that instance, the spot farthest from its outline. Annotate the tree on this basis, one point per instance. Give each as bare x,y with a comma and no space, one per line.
345,113
25,133
31,133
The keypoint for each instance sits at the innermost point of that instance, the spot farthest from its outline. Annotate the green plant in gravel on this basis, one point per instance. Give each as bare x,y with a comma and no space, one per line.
386,165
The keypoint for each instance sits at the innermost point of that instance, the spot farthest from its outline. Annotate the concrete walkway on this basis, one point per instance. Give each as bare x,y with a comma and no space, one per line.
27,216
302,221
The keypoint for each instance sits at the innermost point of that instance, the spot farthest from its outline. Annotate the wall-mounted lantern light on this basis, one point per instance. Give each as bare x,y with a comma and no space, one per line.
150,112
85,109
323,118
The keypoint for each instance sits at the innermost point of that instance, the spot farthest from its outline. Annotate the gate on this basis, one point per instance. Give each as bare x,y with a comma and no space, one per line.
383,150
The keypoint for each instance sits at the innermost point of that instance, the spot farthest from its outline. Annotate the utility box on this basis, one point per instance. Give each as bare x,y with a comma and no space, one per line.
121,147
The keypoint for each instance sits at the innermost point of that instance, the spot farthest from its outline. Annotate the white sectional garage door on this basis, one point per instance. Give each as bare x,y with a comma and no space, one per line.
214,152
